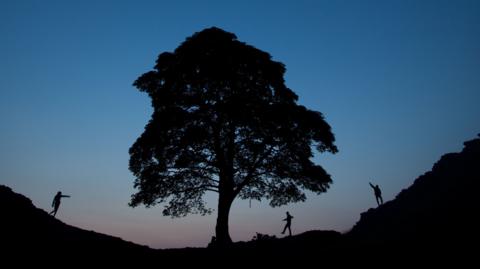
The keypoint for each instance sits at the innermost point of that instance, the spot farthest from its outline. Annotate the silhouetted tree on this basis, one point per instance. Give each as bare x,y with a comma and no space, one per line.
224,121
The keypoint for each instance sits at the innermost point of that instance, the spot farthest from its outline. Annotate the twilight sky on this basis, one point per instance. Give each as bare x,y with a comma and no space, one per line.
398,81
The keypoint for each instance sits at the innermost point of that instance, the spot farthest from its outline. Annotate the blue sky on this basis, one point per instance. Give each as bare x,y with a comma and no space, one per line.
397,80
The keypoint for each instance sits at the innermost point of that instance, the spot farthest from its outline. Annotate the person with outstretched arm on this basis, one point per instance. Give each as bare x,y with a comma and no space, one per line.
377,192
56,202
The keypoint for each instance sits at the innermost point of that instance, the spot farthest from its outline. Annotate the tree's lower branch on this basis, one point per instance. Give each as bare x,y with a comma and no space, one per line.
206,187
214,190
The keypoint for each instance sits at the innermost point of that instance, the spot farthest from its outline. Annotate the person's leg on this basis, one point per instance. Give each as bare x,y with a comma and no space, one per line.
55,211
289,230
284,228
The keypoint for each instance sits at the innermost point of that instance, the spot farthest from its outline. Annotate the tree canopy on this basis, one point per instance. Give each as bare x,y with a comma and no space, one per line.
224,121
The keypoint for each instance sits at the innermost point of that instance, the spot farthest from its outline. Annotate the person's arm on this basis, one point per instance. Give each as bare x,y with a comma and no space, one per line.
371,185
66,196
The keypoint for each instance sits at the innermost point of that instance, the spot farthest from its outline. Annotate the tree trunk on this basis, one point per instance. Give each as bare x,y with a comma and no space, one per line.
221,230
225,192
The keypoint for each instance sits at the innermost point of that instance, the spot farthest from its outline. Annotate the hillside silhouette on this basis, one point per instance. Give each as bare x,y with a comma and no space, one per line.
25,229
439,209
437,214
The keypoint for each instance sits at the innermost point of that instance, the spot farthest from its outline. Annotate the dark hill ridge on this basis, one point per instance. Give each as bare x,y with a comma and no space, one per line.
27,229
441,206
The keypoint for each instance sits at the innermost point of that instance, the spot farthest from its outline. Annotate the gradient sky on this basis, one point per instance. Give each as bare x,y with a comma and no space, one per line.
397,80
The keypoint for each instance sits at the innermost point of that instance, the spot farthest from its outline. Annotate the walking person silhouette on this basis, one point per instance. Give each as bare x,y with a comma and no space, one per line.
288,219
56,202
377,192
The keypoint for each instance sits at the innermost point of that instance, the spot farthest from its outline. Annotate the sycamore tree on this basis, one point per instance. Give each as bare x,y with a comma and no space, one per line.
224,121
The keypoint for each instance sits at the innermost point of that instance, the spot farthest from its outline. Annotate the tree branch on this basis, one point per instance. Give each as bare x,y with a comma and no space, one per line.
207,187
250,175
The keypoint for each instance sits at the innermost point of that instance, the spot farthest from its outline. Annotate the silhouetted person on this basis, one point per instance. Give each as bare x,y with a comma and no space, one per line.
377,192
56,202
288,219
